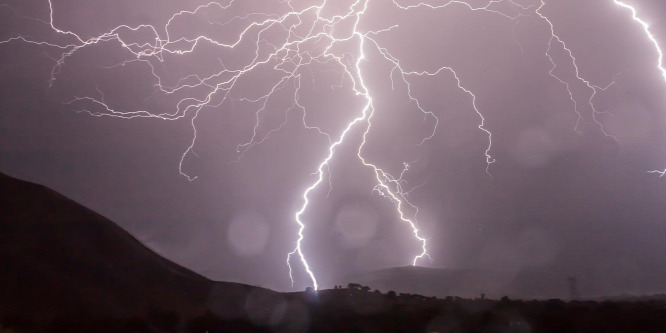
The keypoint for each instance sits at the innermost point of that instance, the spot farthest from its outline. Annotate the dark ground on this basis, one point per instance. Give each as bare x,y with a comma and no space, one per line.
351,310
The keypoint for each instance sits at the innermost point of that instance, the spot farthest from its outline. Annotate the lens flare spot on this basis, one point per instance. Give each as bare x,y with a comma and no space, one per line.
357,224
248,234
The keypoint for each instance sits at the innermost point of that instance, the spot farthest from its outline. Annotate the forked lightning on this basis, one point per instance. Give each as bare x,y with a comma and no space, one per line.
307,36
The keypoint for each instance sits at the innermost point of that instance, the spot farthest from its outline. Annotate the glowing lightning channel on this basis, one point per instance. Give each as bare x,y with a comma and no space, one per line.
324,164
653,40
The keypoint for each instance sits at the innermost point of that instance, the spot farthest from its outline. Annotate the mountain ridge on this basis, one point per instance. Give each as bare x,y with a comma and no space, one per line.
61,258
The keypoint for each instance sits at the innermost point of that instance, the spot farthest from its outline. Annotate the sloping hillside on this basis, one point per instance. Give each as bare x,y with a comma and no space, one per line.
60,258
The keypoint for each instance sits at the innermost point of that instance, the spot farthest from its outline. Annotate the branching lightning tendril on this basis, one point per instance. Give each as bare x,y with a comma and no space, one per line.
311,37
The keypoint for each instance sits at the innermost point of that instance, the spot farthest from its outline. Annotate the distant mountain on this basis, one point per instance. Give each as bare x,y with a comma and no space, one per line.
60,258
527,283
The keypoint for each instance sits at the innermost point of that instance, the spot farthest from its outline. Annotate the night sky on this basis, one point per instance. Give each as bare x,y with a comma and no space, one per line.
566,193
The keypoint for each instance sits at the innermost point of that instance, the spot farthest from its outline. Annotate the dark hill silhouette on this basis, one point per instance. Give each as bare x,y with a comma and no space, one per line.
60,258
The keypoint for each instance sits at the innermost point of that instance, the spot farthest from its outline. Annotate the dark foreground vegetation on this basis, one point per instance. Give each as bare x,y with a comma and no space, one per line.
361,310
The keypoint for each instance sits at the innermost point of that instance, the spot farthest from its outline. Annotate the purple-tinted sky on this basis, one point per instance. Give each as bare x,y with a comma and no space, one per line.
562,196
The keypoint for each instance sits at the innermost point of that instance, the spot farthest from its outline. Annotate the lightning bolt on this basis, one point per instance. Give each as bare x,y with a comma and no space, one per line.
594,89
555,39
288,42
655,43
648,34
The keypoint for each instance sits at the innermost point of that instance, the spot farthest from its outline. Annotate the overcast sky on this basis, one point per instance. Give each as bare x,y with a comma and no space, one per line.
565,193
